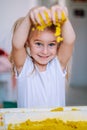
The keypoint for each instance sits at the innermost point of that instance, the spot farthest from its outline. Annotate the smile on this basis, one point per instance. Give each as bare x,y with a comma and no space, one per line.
43,56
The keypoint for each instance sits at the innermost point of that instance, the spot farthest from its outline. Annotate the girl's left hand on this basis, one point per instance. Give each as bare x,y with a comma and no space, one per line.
56,9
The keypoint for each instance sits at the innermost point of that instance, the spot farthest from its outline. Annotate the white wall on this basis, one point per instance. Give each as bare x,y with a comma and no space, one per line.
10,10
79,59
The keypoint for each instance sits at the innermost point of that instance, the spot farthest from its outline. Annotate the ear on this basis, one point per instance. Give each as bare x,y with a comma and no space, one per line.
27,43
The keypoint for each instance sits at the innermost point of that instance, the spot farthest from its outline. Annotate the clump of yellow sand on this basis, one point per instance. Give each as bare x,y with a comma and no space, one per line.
49,124
58,25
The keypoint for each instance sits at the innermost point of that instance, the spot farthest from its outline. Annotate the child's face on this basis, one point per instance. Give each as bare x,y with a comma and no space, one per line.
43,46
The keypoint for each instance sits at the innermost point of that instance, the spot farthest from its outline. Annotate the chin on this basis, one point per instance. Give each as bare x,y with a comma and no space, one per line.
43,63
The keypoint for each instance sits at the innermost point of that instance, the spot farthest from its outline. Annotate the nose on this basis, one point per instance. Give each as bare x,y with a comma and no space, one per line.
45,50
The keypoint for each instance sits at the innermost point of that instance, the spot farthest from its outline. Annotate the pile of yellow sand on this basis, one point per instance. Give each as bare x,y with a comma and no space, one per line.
49,124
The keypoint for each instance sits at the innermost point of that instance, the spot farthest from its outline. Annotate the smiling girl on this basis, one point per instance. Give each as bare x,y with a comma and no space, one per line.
41,69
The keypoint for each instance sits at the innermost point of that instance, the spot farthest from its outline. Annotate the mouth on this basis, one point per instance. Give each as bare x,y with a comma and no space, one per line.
44,57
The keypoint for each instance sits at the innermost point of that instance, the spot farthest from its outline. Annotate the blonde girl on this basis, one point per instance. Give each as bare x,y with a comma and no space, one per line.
41,73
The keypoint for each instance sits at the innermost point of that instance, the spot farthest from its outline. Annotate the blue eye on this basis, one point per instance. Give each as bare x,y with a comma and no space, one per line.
52,44
38,43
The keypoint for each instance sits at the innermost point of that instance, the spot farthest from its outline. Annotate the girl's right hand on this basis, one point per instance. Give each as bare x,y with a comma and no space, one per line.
34,12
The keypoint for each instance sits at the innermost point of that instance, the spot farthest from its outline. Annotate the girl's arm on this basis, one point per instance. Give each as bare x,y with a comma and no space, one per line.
68,34
20,34
66,48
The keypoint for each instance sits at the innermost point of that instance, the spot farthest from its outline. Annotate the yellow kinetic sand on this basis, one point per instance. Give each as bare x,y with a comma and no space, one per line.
58,25
60,118
51,124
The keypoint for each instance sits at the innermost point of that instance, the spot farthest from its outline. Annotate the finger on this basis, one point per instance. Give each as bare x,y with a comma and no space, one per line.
59,12
53,11
32,18
33,15
37,18
49,14
65,11
44,12
43,15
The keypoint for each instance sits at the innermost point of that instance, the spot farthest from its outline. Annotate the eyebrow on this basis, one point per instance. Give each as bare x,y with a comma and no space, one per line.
37,40
42,41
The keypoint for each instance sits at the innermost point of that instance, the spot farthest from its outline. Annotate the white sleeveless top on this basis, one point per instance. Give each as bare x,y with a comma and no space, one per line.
41,89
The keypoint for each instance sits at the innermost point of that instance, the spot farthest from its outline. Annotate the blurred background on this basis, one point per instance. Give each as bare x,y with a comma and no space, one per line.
76,86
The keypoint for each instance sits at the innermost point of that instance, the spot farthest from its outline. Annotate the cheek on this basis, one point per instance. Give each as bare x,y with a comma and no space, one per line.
54,51
34,50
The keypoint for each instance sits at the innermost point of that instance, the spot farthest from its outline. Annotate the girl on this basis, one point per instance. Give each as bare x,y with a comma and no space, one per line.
41,73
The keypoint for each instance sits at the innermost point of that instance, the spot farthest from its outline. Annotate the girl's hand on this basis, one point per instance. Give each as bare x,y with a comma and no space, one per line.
34,12
56,9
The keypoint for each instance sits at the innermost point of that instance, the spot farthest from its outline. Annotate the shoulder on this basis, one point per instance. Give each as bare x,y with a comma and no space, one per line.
56,66
27,67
